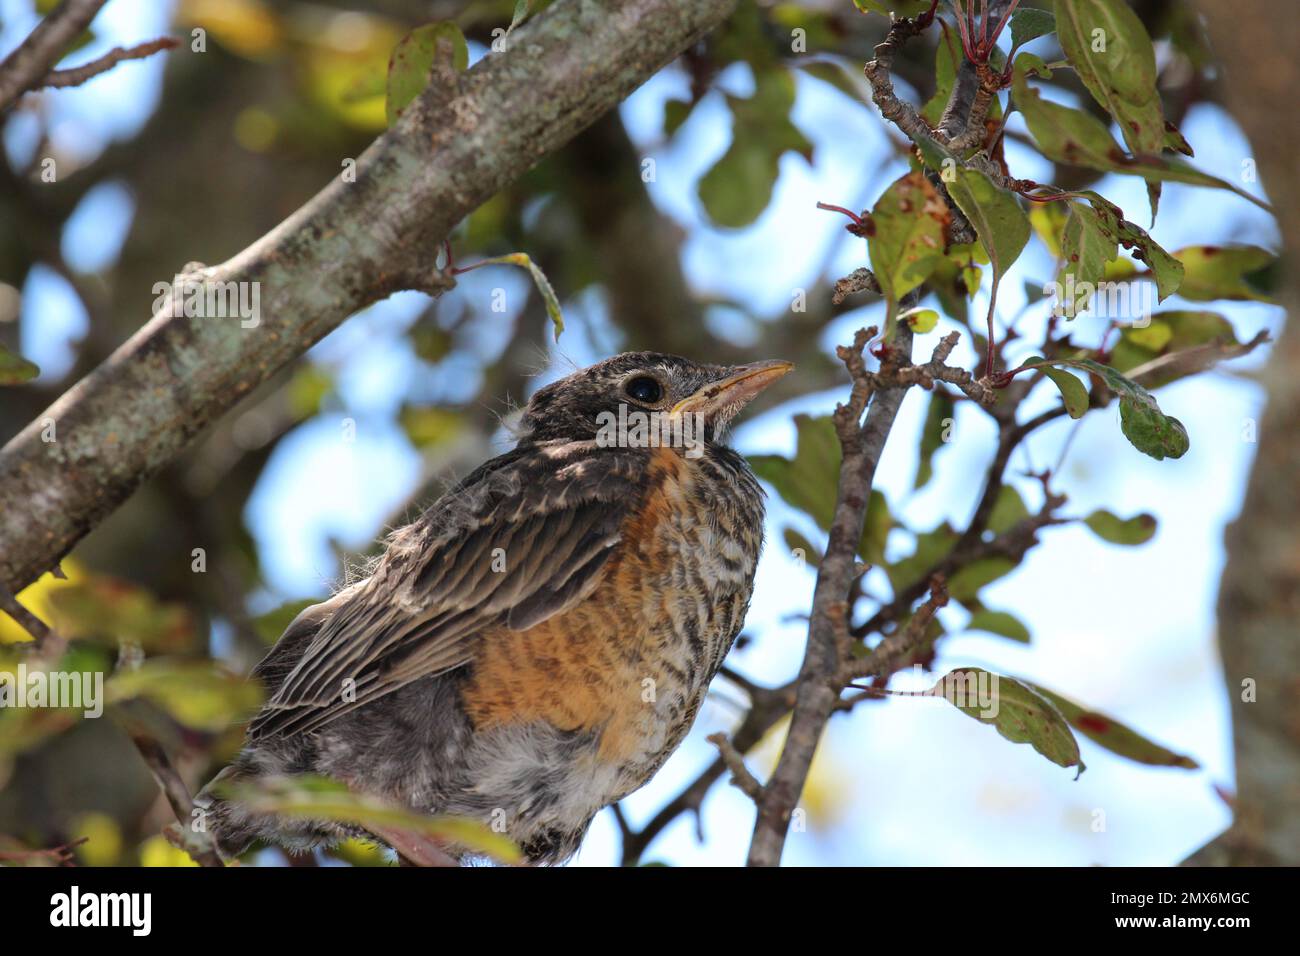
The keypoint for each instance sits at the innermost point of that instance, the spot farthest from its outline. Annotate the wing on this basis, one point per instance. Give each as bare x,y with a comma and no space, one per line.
525,537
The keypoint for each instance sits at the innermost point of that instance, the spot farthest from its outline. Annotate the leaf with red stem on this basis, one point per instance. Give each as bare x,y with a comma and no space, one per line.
1076,138
906,243
1001,225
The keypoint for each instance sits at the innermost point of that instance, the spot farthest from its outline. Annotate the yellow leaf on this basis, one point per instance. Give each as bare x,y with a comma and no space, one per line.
362,853
103,844
156,851
922,320
826,793
36,598
247,28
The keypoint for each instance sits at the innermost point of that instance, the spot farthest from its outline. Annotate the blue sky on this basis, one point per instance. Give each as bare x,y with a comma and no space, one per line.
1128,631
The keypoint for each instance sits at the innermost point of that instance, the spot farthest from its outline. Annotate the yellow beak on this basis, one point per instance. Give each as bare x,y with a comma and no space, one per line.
729,395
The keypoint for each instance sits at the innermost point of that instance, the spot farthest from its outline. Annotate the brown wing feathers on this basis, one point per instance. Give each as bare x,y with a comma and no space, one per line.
419,613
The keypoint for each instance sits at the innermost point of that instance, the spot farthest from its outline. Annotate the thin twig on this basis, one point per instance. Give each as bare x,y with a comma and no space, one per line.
62,854
735,761
28,621
197,843
75,76
32,60
898,648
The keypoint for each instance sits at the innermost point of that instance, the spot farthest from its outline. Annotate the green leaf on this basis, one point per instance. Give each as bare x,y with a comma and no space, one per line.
196,693
1116,62
307,390
954,282
1048,220
676,112
921,320
810,482
413,59
876,526
430,425
1153,337
272,624
905,236
1148,429
522,9
1109,527
1073,391
902,8
1031,64
1002,226
109,611
1000,623
1076,138
1152,432
1165,269
1172,332
1008,510
543,284
947,55
939,419
1017,712
797,544
1222,272
14,369
931,547
1086,247
1114,736
1113,57
1174,140
837,74
738,187
966,583
319,798
1028,23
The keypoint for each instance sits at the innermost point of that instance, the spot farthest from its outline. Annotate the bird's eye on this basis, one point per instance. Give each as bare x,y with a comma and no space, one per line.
644,389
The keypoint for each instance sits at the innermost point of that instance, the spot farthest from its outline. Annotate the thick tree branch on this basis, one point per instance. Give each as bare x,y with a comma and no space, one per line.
26,67
354,243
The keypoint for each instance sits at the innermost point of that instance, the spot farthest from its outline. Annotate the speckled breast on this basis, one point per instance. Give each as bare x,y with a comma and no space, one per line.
631,664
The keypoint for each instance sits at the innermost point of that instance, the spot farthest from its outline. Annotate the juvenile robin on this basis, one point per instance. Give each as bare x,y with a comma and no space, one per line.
537,643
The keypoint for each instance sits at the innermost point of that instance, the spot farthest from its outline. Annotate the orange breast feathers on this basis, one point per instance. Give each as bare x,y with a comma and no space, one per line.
586,668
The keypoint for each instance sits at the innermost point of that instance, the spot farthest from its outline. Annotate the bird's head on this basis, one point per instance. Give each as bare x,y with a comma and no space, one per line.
661,391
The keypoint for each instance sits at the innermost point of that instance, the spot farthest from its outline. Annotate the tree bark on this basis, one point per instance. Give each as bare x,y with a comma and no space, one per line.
1259,598
351,245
